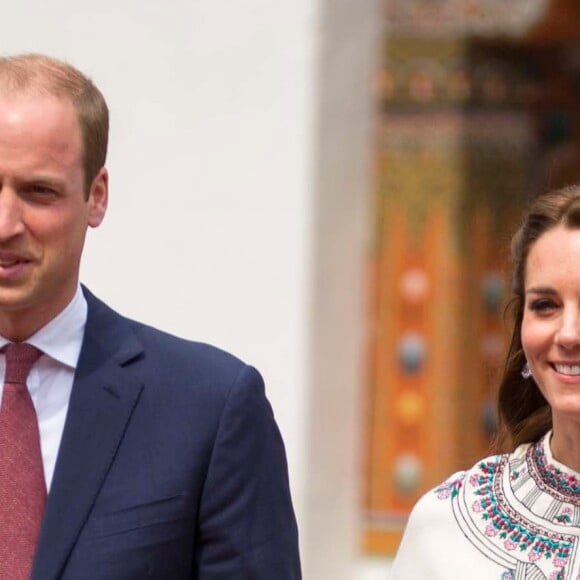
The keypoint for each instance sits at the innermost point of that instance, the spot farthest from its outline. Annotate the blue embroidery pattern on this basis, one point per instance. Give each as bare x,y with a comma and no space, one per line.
506,527
553,478
509,527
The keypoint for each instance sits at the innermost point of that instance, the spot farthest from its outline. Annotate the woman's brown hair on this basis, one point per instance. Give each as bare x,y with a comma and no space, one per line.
524,414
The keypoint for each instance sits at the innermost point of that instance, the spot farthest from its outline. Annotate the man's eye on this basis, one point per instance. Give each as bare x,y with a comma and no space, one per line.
42,189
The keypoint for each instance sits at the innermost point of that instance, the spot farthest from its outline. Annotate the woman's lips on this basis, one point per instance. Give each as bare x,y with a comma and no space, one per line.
568,369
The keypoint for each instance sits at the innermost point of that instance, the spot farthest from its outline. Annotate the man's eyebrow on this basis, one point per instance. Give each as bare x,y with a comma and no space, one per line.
540,290
42,179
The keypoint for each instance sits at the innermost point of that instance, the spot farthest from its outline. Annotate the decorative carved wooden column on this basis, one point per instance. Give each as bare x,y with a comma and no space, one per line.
457,149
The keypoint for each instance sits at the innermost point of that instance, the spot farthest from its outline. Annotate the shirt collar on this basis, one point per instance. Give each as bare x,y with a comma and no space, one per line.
61,339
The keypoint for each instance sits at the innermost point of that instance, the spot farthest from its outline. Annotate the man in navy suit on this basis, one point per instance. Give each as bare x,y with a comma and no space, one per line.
161,456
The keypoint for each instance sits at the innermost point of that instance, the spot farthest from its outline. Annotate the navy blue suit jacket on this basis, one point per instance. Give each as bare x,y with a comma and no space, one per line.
171,465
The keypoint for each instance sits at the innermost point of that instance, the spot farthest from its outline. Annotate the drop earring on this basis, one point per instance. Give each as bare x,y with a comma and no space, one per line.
526,371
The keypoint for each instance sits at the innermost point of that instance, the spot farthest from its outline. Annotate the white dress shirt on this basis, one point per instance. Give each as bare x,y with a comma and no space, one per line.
51,378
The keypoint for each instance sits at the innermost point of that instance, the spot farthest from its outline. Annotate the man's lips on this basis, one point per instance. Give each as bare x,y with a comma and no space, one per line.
11,263
15,267
9,259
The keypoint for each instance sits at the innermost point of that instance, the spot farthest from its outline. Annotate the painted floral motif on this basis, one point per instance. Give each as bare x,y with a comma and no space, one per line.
565,517
515,536
514,507
450,488
515,474
565,483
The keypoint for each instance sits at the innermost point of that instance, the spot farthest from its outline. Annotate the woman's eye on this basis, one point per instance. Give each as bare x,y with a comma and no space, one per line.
542,305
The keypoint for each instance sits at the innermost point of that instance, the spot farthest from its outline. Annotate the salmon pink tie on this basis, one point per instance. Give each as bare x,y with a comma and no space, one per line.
22,485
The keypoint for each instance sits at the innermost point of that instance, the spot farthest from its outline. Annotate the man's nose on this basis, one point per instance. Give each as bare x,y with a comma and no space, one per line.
568,335
11,223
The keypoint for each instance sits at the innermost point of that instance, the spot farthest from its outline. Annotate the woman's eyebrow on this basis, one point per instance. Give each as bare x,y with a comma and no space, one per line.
540,290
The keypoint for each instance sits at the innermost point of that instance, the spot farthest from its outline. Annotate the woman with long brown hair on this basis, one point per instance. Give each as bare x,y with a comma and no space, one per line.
516,515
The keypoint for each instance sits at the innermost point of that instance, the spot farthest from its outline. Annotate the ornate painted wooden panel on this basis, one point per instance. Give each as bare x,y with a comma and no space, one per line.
457,150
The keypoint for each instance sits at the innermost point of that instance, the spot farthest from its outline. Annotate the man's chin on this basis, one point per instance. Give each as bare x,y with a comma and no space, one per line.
15,299
23,313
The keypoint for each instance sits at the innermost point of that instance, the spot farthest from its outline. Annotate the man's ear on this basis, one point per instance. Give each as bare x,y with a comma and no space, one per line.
98,198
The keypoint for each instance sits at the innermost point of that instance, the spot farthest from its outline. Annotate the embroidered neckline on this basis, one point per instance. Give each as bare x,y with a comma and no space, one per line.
511,529
550,477
484,511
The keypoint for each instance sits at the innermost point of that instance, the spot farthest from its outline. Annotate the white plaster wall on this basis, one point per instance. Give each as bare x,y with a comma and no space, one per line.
207,233
236,168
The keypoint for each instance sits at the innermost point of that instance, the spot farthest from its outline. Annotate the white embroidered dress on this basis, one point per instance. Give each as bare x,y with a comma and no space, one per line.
510,517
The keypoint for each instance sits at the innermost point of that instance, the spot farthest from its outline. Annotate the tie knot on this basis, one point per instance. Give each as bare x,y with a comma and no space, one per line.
20,357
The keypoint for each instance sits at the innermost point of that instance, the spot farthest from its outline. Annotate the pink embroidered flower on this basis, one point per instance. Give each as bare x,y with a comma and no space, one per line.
559,562
474,479
444,493
476,506
492,531
534,555
510,545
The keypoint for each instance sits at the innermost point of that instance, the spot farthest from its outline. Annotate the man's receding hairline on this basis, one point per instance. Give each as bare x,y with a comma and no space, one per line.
16,95
35,83
50,77
33,91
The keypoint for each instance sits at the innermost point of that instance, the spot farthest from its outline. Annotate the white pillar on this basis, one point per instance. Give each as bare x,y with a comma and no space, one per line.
341,232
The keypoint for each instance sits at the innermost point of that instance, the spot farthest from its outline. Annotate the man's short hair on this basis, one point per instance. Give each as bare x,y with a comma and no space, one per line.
50,76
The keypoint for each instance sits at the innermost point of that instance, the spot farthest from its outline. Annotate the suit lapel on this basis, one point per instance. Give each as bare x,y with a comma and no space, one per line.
103,397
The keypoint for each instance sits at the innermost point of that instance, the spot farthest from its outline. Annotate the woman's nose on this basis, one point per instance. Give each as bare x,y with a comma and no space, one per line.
568,335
